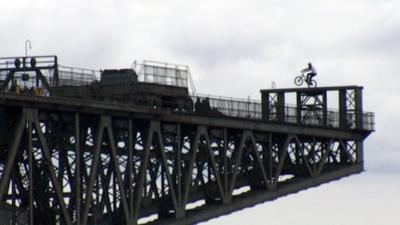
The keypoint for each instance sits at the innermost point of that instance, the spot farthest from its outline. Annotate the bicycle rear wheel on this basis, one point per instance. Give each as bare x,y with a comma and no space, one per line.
313,84
298,81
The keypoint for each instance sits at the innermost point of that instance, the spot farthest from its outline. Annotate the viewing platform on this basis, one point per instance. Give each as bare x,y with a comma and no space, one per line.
343,109
331,107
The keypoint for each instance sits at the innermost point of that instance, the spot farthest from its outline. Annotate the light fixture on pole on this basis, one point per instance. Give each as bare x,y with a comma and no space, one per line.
27,42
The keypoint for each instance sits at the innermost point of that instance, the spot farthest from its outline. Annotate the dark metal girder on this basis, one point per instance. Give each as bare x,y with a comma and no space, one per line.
122,110
172,160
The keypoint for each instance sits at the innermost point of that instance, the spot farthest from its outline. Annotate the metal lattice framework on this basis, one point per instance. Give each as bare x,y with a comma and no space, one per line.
68,162
85,161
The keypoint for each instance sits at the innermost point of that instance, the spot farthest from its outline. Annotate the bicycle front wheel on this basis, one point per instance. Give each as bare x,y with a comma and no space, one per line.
298,81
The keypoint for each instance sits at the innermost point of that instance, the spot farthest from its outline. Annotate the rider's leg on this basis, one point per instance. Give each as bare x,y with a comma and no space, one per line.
311,75
308,79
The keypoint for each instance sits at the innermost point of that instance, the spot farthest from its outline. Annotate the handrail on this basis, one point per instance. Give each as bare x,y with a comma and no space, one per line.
252,109
73,76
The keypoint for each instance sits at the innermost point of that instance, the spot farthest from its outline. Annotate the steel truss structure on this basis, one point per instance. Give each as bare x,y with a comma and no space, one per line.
80,161
74,162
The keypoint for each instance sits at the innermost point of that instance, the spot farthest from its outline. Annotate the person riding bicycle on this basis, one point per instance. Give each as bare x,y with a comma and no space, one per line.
312,73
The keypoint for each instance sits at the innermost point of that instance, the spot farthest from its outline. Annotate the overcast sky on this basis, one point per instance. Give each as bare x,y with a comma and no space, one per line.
236,48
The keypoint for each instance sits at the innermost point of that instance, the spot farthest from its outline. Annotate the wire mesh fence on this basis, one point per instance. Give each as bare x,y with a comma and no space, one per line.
235,107
163,73
147,72
72,76
368,119
252,109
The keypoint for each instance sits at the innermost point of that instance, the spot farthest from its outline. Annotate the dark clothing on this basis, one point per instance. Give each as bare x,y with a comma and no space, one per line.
309,77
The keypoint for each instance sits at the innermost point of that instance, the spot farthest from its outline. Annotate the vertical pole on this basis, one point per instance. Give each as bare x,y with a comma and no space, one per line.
281,106
225,160
77,169
30,158
13,194
61,157
358,108
56,72
177,73
178,164
265,105
114,183
98,191
37,81
270,175
299,106
130,168
163,193
342,109
180,211
324,109
313,154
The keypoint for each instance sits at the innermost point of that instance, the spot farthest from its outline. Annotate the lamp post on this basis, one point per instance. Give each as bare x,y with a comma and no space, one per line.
27,42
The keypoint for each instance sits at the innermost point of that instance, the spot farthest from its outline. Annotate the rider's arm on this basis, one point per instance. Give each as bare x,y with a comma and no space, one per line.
305,70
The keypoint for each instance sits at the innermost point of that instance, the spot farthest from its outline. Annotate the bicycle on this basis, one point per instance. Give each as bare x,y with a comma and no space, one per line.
298,81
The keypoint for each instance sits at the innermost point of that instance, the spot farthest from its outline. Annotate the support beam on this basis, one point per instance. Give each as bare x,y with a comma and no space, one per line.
107,123
15,142
78,176
56,184
93,173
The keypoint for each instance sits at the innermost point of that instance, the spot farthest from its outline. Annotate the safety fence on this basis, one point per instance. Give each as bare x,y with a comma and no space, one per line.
163,73
72,76
235,107
147,72
252,109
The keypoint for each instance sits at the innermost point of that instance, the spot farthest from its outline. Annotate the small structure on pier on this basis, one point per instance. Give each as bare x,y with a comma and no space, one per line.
311,107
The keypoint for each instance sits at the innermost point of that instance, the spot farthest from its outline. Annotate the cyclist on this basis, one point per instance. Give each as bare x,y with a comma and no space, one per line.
312,73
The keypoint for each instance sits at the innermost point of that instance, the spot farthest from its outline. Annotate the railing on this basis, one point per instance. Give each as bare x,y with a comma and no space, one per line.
70,76
316,118
163,73
8,63
3,75
368,121
235,107
252,109
148,72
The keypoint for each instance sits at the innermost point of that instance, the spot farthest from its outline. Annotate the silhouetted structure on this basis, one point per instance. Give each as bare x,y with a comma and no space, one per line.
122,146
